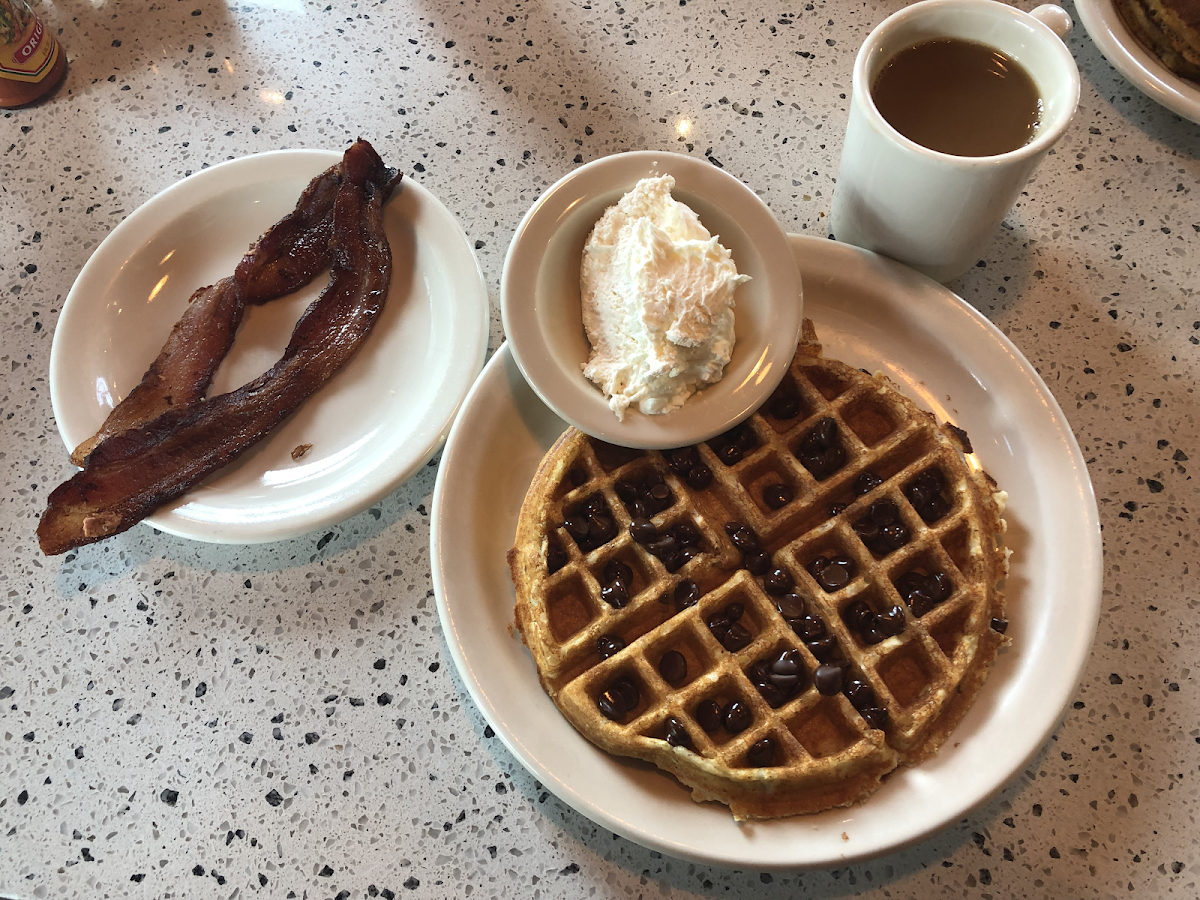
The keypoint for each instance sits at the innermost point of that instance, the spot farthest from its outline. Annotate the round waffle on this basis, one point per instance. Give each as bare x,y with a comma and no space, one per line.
779,616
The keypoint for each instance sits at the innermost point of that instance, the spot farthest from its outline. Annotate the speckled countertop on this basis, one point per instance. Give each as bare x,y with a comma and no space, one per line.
179,718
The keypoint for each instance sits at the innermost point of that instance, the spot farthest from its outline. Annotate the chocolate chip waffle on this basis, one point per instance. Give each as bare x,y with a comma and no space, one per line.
780,616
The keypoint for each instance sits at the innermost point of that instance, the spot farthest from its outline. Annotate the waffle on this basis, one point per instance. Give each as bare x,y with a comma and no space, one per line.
780,616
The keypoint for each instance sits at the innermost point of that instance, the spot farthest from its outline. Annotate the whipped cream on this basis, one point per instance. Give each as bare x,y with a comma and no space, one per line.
658,297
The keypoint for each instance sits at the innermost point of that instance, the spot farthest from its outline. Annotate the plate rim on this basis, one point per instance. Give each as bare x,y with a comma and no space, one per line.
1134,62
1090,570
177,200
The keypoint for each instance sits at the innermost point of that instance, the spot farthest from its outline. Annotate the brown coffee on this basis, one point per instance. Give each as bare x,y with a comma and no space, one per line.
958,97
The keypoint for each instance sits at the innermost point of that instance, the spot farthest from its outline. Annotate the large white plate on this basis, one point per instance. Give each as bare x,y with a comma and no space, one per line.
374,424
872,313
1103,23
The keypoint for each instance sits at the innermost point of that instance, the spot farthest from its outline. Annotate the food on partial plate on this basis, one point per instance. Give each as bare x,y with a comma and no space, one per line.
166,436
658,295
1170,29
779,616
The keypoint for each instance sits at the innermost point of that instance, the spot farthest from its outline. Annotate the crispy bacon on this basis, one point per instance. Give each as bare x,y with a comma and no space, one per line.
289,255
132,473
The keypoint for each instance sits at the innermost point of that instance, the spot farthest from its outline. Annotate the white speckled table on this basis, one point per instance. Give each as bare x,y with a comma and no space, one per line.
179,718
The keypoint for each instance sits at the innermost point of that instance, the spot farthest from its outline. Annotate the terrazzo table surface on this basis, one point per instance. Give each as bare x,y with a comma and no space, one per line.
156,694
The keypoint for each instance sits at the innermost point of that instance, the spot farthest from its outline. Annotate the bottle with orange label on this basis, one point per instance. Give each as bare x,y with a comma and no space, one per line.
32,62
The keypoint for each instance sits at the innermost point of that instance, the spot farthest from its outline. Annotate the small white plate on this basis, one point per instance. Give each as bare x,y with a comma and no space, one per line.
543,318
374,424
870,312
1147,73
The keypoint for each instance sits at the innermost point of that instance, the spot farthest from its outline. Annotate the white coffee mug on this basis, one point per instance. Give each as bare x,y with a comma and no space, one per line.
934,211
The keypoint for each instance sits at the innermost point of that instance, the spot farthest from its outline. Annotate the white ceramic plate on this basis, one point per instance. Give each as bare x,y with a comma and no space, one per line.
873,313
1103,23
543,318
371,426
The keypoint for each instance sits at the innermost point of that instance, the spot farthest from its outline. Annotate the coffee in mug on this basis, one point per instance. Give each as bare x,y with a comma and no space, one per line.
922,203
958,97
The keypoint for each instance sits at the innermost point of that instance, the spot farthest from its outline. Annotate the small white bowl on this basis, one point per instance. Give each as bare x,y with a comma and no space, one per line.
542,313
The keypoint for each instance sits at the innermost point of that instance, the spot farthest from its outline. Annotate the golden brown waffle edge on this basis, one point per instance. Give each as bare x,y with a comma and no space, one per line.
821,749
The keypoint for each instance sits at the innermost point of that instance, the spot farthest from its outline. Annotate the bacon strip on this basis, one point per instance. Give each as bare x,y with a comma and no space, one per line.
131,474
289,255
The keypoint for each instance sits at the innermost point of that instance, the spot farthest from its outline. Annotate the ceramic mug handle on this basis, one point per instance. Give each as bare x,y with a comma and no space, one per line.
1055,18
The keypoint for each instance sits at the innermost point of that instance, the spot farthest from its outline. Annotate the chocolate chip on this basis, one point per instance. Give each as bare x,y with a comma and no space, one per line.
662,495
777,496
687,535
881,529
556,558
858,615
810,628
824,433
762,754
601,529
784,403
831,574
708,715
626,490
615,570
719,626
999,625
682,460
730,454
866,483
733,611
786,671
778,581
891,622
837,509
609,645
790,606
687,593
664,546
615,594
744,437
920,603
615,702
828,680
736,638
938,586
699,477
896,534
629,692
859,693
577,527
643,530
676,734
874,716
871,633
925,494
923,592
757,561
772,695
741,537
688,553
673,668
824,648
595,506
736,717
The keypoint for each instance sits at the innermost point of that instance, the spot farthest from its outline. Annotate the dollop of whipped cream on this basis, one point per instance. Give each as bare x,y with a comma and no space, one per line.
658,297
